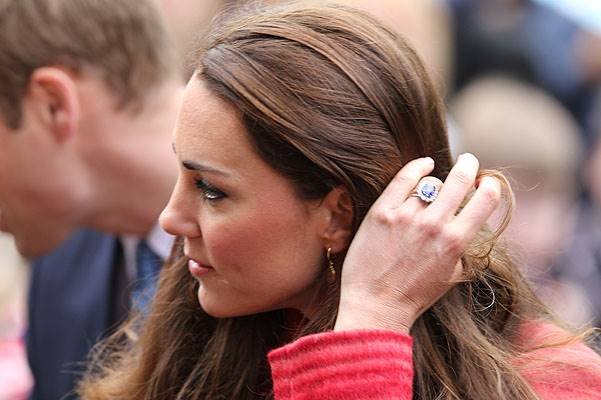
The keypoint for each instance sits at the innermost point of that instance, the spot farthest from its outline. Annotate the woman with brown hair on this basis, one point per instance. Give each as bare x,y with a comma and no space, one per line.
300,237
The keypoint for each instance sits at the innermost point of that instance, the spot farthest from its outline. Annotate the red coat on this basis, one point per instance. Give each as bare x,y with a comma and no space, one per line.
378,365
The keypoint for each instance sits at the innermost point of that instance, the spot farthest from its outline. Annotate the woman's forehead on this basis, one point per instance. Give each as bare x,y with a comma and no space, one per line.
205,111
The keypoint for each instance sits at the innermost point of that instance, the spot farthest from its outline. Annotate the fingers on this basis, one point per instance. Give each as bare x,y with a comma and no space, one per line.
480,207
404,182
458,184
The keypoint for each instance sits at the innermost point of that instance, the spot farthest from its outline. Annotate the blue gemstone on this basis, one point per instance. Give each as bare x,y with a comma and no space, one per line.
428,190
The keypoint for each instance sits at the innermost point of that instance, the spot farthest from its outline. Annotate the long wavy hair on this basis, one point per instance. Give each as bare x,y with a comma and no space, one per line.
329,97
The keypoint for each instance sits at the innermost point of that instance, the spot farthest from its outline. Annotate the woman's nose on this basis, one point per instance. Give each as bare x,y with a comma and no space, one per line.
179,218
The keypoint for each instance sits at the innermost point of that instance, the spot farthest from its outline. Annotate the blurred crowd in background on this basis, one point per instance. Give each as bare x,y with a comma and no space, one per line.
522,80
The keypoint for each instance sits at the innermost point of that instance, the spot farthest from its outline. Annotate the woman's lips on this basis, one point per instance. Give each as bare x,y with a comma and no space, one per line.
197,269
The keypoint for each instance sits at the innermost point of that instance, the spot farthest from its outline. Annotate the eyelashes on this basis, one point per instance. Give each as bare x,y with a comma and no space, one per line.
209,192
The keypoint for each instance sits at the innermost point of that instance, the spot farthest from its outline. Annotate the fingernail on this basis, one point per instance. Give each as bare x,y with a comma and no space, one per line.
465,155
428,160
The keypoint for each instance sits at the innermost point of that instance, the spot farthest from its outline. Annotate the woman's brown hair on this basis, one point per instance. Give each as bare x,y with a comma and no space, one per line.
329,97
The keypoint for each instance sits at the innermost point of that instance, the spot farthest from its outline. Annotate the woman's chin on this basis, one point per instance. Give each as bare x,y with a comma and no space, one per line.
217,308
213,307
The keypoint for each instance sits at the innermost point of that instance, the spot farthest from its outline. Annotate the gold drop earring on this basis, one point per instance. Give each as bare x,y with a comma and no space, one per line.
330,262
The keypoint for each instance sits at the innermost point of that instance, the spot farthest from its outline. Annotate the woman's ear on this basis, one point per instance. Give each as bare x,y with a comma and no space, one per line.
337,230
53,95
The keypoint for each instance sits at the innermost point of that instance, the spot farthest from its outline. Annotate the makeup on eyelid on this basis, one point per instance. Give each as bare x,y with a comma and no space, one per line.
210,192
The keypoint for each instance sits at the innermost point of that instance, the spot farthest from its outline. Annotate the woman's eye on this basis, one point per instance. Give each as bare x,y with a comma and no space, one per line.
209,192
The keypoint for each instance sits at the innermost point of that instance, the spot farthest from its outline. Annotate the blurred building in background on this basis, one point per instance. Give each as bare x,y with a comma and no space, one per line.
187,21
528,134
554,48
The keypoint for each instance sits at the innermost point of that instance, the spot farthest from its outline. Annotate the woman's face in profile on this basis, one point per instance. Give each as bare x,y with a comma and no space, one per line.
253,244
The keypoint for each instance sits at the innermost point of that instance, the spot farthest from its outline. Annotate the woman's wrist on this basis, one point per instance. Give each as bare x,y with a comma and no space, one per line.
369,315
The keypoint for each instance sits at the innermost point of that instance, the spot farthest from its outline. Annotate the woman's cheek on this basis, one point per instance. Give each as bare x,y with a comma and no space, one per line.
224,245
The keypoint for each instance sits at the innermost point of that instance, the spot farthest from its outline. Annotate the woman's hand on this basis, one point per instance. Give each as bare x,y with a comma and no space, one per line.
406,253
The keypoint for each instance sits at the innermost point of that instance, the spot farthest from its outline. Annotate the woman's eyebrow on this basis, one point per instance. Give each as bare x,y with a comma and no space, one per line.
195,166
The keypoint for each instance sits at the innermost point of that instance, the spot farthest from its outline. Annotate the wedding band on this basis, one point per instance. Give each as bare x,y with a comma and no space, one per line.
427,189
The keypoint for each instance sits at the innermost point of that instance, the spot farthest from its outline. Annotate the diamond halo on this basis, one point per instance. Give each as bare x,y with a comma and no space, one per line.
427,191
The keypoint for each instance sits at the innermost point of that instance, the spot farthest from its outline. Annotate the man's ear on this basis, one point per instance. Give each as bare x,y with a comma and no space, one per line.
337,230
54,100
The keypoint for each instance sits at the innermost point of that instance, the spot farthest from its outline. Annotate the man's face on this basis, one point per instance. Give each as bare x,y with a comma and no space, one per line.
38,192
78,160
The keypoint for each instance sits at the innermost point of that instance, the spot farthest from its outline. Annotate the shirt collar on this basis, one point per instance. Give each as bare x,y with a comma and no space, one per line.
159,241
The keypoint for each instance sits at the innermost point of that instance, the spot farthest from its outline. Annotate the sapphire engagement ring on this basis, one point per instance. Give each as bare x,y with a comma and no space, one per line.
427,189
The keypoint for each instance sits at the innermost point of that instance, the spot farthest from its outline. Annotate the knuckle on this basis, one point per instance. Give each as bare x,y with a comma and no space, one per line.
430,226
384,215
413,171
463,177
491,195
405,178
394,217
404,217
453,242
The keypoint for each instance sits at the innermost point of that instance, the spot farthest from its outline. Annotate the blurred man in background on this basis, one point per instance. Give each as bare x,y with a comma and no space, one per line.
426,24
88,97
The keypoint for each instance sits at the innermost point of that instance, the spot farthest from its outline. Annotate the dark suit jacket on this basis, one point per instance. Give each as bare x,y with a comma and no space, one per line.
72,304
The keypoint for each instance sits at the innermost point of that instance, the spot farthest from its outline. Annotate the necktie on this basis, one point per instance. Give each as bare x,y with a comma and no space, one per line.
121,291
148,266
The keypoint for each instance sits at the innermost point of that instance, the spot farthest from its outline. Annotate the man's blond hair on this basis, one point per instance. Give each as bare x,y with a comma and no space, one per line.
124,41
